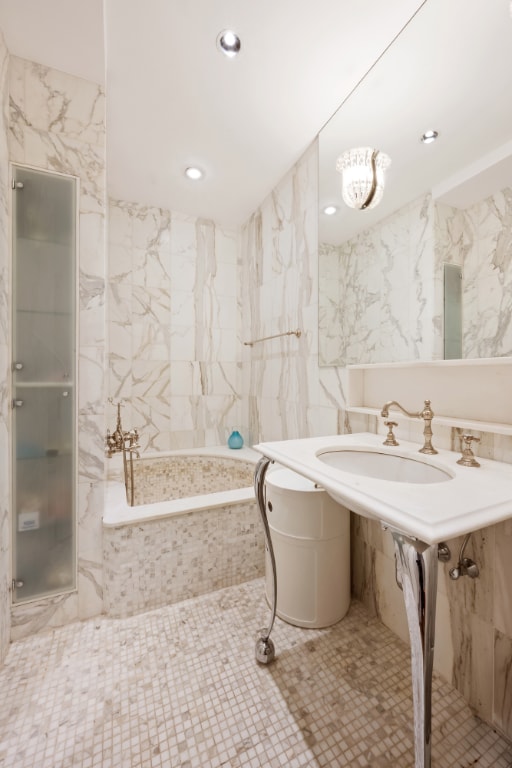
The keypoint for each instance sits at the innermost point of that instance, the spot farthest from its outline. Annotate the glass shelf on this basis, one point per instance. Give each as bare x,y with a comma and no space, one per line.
44,416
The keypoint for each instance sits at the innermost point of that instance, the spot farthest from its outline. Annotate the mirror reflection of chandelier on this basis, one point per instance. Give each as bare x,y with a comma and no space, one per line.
362,171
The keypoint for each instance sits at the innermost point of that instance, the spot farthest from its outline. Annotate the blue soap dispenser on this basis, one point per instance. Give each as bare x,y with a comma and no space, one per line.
235,440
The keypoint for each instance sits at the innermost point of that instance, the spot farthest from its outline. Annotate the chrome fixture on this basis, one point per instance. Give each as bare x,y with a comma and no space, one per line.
265,649
443,555
465,566
417,568
468,457
362,176
443,552
427,414
390,437
429,136
229,43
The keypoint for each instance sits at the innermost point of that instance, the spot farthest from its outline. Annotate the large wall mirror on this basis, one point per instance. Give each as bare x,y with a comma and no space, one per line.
427,273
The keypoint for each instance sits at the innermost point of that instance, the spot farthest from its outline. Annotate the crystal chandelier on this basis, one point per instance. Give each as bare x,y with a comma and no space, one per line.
362,171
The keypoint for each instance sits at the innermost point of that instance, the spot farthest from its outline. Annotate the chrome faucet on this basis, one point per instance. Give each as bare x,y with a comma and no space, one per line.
427,414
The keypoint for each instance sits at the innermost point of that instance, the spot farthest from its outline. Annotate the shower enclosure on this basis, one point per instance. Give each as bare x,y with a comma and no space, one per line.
44,235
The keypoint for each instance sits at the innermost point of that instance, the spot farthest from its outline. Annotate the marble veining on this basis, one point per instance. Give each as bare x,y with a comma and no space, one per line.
279,293
173,326
488,277
377,292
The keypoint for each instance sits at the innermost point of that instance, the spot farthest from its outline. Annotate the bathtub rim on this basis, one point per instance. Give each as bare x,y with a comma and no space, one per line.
118,513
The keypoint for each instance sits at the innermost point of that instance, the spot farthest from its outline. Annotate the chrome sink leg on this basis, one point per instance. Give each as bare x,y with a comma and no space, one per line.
418,565
265,650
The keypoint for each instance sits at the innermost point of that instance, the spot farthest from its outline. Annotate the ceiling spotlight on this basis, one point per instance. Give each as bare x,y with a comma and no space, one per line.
429,136
193,173
229,43
330,210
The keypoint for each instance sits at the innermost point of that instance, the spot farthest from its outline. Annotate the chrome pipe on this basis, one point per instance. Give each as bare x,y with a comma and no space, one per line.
418,569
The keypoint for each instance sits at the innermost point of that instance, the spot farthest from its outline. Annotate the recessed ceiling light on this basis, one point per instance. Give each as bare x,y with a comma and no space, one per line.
193,173
429,136
330,210
229,43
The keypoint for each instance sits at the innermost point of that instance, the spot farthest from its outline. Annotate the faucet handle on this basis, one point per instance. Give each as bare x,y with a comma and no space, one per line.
390,438
468,457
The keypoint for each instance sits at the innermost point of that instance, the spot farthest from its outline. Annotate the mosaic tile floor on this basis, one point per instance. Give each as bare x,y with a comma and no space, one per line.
179,688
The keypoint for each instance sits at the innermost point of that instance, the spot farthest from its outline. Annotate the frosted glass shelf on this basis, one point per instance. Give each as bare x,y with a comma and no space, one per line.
44,384
32,311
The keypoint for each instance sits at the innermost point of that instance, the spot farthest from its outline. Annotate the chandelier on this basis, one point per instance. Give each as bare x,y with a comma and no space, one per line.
362,170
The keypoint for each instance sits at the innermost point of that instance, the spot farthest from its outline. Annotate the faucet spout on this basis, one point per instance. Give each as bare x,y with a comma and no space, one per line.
427,414
385,410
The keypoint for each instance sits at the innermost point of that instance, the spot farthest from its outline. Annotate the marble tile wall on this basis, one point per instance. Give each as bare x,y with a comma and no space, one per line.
289,395
5,598
486,234
174,348
57,123
369,311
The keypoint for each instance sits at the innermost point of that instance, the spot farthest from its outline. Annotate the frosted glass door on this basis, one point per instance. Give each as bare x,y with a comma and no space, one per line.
43,369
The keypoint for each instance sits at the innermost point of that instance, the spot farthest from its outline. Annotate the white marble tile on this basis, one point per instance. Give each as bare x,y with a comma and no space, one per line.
502,701
91,380
91,449
503,578
55,102
90,558
91,242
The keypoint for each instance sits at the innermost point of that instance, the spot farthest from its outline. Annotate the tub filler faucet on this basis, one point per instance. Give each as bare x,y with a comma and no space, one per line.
427,414
119,440
127,443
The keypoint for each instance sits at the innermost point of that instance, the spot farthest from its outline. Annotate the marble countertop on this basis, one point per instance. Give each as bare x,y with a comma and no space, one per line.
473,498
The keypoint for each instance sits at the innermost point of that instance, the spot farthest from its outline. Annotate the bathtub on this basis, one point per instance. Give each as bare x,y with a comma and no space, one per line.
165,551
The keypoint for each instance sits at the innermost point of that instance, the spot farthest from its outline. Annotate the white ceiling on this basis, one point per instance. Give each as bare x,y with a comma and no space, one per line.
174,100
63,34
451,71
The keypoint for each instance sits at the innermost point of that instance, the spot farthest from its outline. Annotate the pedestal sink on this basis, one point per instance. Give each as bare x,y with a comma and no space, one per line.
421,501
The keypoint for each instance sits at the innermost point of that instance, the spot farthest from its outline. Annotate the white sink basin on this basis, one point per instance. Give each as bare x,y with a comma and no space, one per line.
402,488
384,466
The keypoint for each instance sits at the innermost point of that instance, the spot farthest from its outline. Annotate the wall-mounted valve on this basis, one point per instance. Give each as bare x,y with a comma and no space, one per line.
465,566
